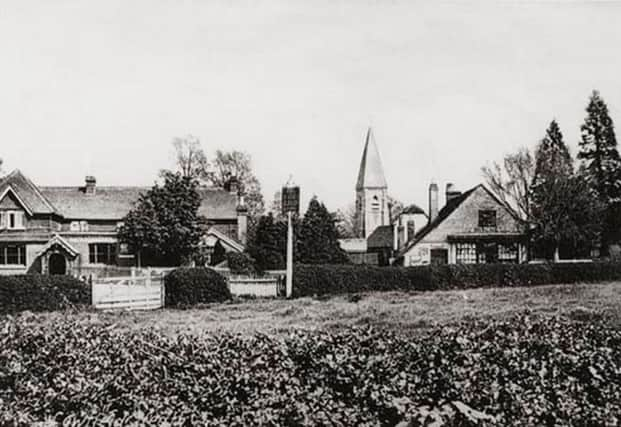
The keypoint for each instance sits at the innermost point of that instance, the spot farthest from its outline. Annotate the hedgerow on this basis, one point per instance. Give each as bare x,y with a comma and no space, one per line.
188,286
35,292
336,279
523,371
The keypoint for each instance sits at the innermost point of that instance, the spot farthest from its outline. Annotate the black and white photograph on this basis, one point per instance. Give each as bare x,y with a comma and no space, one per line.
310,213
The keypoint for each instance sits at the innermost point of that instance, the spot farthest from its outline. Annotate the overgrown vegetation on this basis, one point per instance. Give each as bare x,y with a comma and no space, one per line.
35,292
528,370
311,280
188,286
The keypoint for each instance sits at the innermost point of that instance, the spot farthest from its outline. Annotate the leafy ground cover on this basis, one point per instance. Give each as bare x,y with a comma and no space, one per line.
526,370
549,355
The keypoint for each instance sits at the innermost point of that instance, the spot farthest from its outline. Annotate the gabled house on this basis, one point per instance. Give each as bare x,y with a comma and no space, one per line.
472,227
72,230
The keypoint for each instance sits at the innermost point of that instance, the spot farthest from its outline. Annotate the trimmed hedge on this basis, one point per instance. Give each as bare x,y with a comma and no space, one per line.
241,263
338,279
188,286
36,292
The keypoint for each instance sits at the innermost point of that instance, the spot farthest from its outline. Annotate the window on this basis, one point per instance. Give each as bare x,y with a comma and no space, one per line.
375,204
78,226
487,253
508,252
466,253
487,218
13,255
102,253
12,220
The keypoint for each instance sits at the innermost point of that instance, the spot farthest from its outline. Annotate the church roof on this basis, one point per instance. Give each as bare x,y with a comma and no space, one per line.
371,174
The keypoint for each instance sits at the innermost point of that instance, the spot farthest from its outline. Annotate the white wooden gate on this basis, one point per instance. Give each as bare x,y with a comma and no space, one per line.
136,292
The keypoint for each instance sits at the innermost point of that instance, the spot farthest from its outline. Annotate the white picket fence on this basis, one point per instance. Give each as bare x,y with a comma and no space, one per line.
140,291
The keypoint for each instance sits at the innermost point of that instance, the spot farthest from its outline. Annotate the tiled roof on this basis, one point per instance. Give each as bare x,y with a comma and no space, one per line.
217,204
382,237
448,209
371,173
107,203
26,191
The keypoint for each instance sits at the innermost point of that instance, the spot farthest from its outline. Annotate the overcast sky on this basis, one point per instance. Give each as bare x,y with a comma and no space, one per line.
102,87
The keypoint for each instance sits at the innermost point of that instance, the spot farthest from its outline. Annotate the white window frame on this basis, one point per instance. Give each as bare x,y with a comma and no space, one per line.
18,220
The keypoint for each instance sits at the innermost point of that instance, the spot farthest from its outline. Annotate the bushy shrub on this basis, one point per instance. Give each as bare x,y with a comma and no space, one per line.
37,292
241,263
188,286
337,279
526,370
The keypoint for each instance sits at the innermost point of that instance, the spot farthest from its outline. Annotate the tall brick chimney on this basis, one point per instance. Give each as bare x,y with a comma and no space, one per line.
433,201
242,220
90,185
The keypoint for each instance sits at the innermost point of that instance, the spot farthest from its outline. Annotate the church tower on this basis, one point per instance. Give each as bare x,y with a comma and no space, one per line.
371,190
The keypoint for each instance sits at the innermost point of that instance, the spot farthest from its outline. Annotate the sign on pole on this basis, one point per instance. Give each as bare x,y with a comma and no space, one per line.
290,204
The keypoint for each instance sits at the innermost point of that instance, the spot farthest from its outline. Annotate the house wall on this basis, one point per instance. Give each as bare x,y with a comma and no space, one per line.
463,220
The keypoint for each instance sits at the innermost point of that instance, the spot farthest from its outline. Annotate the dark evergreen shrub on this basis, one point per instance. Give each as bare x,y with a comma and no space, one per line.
241,263
36,292
338,279
188,286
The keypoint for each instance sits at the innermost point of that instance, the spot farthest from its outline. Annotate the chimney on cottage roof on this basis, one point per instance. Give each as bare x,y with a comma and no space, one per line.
90,184
433,201
451,192
232,185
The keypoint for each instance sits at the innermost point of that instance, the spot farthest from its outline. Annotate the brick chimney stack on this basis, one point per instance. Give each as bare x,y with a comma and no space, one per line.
451,192
90,185
433,201
242,220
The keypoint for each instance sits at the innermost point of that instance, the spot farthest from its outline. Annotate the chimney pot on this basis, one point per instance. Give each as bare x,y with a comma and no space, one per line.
90,184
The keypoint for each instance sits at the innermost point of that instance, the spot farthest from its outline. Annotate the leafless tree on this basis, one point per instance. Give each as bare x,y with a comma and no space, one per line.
511,181
190,157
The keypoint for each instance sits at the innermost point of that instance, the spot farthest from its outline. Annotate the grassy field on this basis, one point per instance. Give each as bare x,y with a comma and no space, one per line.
412,312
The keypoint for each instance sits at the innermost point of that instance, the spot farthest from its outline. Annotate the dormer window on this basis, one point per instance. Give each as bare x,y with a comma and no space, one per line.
12,220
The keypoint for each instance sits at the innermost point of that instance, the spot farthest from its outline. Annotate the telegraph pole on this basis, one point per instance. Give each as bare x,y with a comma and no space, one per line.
289,286
290,204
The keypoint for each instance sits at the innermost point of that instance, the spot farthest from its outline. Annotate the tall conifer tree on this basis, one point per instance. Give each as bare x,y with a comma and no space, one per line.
598,151
601,164
318,237
563,209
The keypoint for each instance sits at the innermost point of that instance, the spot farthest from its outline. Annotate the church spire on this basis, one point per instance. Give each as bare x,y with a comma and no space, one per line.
371,174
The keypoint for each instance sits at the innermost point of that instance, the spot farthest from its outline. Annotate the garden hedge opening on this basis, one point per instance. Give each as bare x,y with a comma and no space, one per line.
309,280
37,292
188,286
